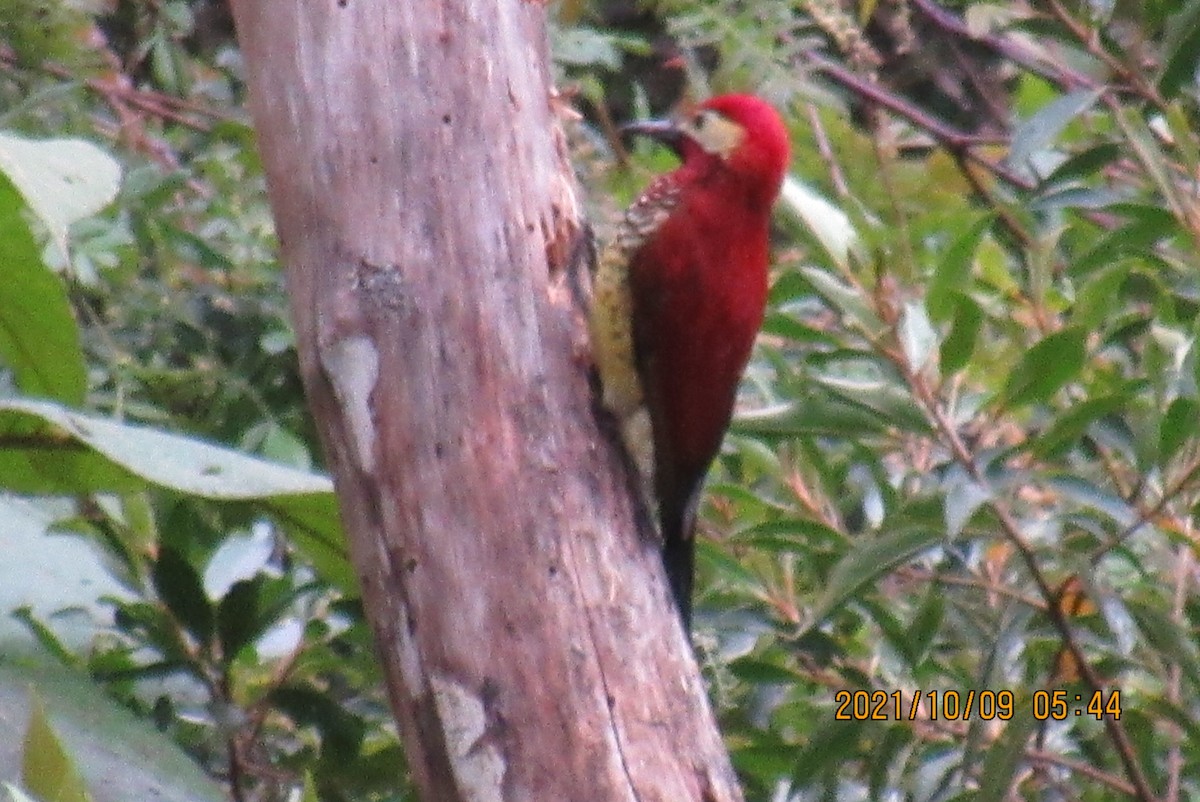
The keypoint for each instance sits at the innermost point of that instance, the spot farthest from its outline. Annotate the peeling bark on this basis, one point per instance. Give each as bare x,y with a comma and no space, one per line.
424,204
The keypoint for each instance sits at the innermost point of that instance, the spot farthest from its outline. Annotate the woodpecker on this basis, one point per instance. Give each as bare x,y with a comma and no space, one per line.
678,298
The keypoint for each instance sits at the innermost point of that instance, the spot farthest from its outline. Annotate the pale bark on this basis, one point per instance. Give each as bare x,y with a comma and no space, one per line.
425,207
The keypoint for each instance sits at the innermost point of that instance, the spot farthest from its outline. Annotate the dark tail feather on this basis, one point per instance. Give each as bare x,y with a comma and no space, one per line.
679,560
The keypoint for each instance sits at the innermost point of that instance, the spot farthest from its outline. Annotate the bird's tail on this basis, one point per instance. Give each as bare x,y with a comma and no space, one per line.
679,552
679,560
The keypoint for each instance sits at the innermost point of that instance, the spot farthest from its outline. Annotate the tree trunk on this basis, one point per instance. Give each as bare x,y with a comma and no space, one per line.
424,202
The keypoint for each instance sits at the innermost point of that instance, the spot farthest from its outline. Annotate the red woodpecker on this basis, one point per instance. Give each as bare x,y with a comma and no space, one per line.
678,298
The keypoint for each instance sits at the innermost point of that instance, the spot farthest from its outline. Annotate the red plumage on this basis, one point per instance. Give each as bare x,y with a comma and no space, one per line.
698,286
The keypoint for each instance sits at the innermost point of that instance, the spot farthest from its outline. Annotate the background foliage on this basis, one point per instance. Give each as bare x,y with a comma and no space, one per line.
965,458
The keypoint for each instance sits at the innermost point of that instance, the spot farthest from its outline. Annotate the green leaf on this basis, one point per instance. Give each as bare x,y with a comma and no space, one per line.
39,339
45,636
1139,236
341,731
952,276
896,741
1083,164
761,672
1005,755
1040,130
1099,296
843,297
763,760
1145,146
829,225
1076,198
1181,131
964,333
831,743
892,403
48,449
964,496
727,570
586,47
1178,426
238,557
868,559
310,788
1045,368
1179,49
794,535
916,335
30,431
239,619
1167,637
824,413
1066,430
46,768
926,624
62,180
1092,497
119,755
178,586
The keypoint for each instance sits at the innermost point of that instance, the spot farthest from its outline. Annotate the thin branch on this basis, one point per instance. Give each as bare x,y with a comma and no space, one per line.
1085,769
120,87
1012,532
1147,514
1090,39
1058,74
1175,762
836,176
952,139
988,586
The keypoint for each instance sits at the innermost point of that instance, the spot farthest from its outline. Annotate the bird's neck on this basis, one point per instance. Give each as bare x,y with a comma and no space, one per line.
753,194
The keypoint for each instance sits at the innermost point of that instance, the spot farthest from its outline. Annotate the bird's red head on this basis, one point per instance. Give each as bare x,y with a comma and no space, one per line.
762,151
740,136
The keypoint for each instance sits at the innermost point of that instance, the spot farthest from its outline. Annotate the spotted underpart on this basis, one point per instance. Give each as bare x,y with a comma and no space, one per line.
612,324
679,297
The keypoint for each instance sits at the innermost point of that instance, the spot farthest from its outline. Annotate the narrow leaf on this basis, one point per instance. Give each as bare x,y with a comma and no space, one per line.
1166,637
953,273
45,636
1178,426
1083,164
964,333
1046,367
963,497
55,450
239,619
1179,49
1067,429
1040,130
62,180
46,768
178,586
1005,755
843,297
829,225
917,336
1099,295
39,339
869,559
1145,146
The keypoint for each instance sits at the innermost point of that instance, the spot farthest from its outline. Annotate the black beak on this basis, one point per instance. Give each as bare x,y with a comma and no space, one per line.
663,131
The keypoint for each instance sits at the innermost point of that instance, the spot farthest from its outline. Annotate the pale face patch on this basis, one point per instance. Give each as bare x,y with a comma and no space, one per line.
714,133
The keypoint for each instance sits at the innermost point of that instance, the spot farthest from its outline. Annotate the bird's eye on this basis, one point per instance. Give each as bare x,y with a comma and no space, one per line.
699,119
